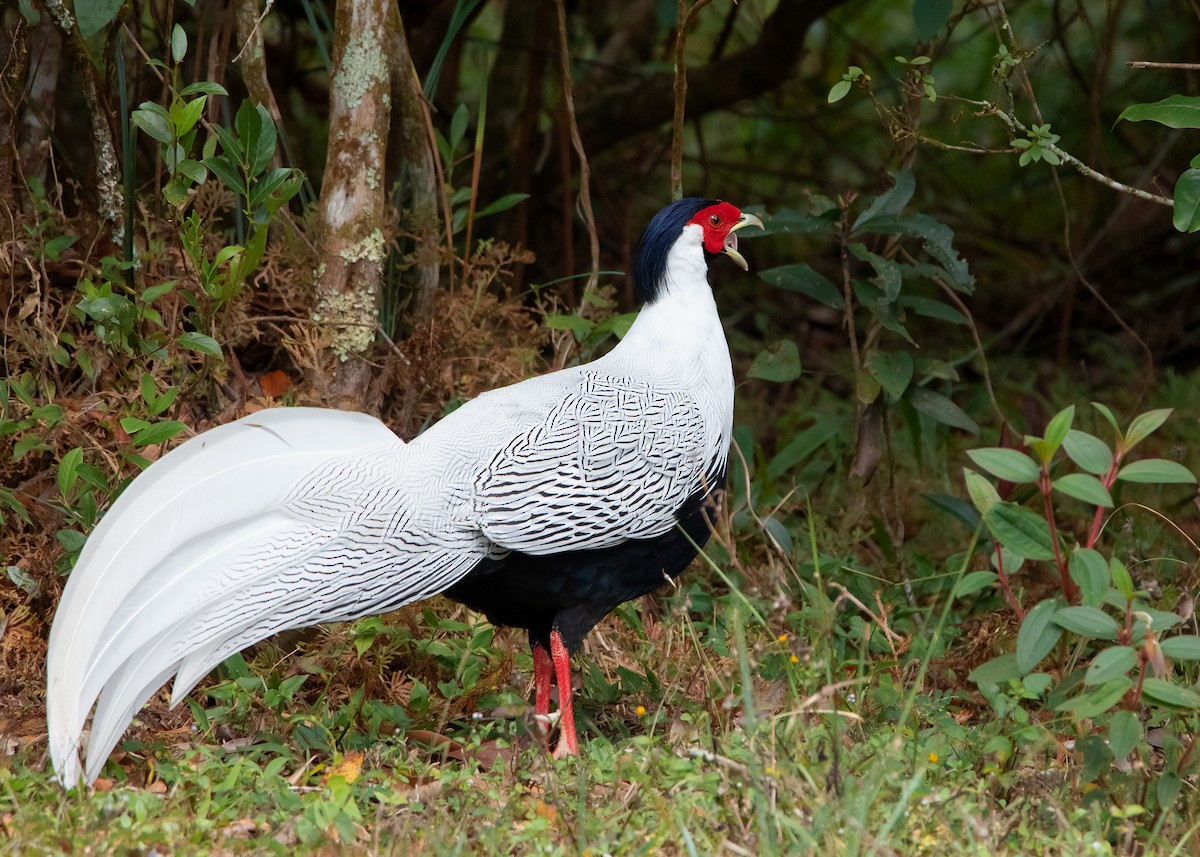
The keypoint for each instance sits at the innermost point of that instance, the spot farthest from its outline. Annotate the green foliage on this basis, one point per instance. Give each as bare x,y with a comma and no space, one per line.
1109,645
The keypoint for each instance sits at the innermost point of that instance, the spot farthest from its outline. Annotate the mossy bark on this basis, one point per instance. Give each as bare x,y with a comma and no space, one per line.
352,243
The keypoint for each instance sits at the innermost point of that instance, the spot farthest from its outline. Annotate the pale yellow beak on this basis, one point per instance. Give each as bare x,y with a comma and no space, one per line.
731,242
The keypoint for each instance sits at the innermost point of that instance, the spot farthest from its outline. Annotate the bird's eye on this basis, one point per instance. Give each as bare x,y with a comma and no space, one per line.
715,220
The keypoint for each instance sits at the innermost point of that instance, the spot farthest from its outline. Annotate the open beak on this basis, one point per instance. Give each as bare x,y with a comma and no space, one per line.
731,242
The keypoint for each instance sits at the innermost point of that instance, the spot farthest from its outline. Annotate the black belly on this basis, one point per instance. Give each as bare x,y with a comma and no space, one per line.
570,592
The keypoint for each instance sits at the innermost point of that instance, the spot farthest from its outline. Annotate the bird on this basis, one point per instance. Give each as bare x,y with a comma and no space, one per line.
543,505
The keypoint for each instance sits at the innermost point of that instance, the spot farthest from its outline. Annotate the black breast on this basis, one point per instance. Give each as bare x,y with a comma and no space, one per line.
572,591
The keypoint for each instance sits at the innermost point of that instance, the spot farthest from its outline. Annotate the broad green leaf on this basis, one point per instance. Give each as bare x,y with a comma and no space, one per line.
1111,663
202,342
931,308
1088,622
803,279
1000,670
1174,111
1107,413
777,362
1088,451
1157,471
1097,757
1097,700
155,123
1168,693
893,370
983,494
179,43
67,468
1124,733
1057,428
930,16
1085,487
153,293
838,91
26,445
1007,464
71,540
577,324
158,432
1020,530
1090,572
823,218
891,201
24,581
973,582
94,15
1183,648
803,445
1120,578
957,508
940,409
1144,425
1186,216
203,87
1038,634
938,242
504,203
1167,789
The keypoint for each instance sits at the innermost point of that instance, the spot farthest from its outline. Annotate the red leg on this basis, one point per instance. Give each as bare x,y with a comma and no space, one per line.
542,675
568,744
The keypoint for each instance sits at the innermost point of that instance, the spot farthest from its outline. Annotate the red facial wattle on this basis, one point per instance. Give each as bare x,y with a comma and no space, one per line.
716,221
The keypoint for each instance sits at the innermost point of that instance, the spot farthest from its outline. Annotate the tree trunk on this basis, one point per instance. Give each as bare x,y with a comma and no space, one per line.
253,61
45,62
351,208
14,53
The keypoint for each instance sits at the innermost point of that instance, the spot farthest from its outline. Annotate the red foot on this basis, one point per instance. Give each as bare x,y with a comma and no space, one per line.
568,744
542,675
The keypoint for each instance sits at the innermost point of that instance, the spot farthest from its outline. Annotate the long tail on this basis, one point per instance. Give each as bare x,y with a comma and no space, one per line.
280,520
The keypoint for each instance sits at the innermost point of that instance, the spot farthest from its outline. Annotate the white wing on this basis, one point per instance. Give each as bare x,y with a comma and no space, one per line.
612,461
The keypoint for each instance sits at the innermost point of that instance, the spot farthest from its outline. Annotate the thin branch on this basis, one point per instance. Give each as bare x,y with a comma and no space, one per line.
585,173
1182,66
686,18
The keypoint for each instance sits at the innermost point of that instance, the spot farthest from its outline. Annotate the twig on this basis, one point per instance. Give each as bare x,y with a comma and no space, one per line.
686,17
585,173
1182,66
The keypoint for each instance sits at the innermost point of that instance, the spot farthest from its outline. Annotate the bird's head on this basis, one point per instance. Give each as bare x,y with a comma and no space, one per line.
711,223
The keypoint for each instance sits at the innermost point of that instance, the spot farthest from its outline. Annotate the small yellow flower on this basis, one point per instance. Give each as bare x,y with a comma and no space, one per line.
933,758
641,710
794,659
782,638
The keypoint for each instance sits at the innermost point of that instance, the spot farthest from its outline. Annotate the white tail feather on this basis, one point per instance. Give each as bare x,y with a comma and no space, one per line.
237,534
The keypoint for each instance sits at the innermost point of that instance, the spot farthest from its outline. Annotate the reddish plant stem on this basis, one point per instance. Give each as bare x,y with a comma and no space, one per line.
1107,480
1004,585
1070,590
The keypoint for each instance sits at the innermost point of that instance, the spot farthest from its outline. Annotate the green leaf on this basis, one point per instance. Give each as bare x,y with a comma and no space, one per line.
891,201
1057,428
67,468
893,370
1120,578
24,581
1097,700
55,246
1019,530
1174,111
504,203
1090,572
973,582
1111,663
940,409
1158,471
158,432
196,341
179,43
1000,670
1182,648
778,362
803,279
838,91
824,218
803,445
1038,634
577,324
1085,487
226,172
1166,693
1088,451
983,494
930,16
153,293
71,540
155,122
203,87
1008,464
1088,622
1144,425
94,15
1186,216
1107,413
1124,733
26,445
938,242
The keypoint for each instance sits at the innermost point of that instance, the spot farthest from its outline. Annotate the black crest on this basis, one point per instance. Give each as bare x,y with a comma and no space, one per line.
650,262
